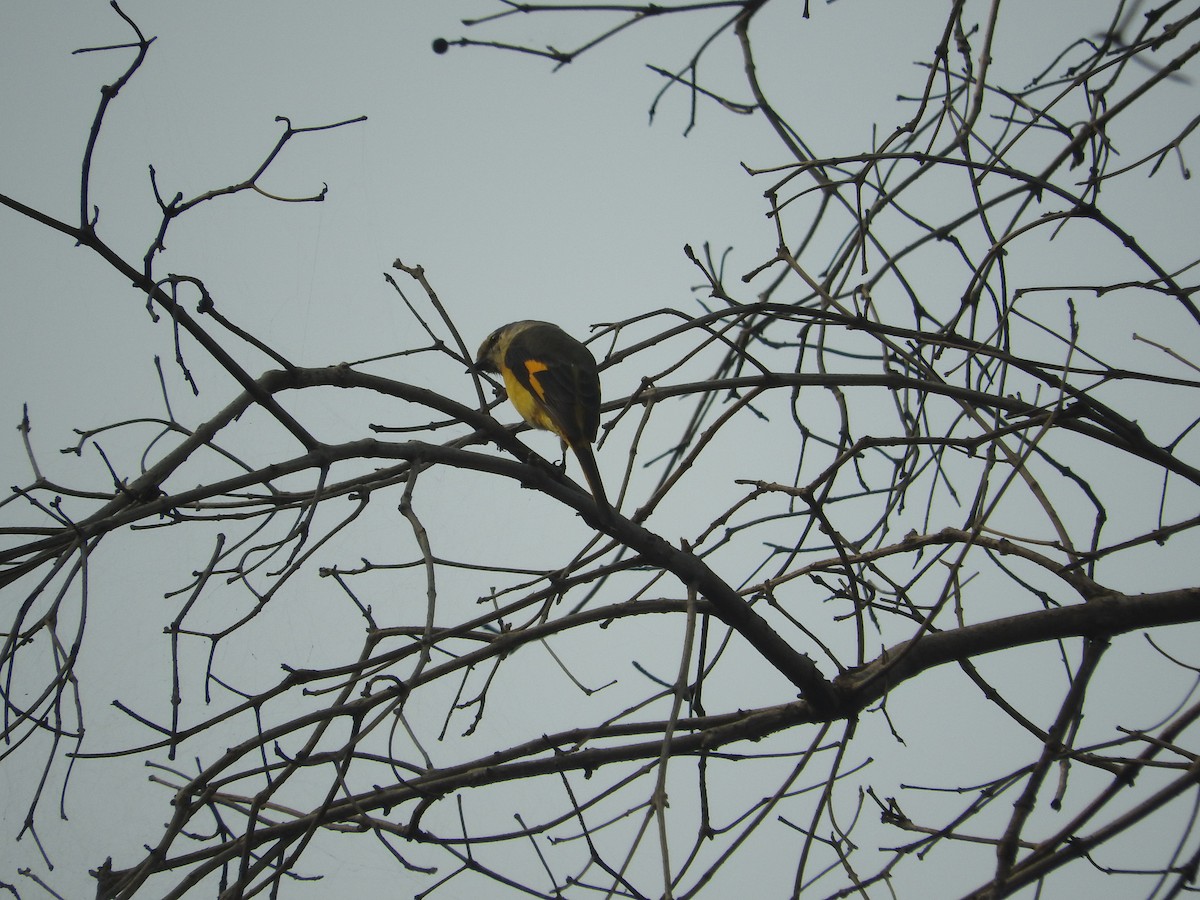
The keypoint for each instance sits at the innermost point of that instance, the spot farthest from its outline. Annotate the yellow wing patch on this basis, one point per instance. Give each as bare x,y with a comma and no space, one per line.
532,368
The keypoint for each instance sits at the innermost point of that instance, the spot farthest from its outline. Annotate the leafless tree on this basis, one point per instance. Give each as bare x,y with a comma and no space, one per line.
936,460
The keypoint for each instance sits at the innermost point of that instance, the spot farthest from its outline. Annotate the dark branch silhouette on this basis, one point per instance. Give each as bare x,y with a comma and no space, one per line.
928,486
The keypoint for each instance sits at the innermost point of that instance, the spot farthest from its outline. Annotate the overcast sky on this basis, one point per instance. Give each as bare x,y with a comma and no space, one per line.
525,193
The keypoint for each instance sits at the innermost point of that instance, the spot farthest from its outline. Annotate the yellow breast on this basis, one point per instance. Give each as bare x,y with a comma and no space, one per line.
529,406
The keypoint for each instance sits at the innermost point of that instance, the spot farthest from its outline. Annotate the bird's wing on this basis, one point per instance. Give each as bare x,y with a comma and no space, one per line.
572,398
568,391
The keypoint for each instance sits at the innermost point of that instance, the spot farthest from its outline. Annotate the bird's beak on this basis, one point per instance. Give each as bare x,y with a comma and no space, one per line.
482,366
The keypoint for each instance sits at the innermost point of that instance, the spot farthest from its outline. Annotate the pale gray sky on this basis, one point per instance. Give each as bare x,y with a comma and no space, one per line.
523,193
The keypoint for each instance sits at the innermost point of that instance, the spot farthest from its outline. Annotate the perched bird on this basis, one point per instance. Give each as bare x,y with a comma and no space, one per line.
553,381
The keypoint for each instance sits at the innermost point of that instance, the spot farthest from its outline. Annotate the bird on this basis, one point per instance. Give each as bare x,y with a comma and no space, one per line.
554,383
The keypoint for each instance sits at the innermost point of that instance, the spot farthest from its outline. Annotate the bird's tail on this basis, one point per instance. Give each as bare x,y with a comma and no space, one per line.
587,462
